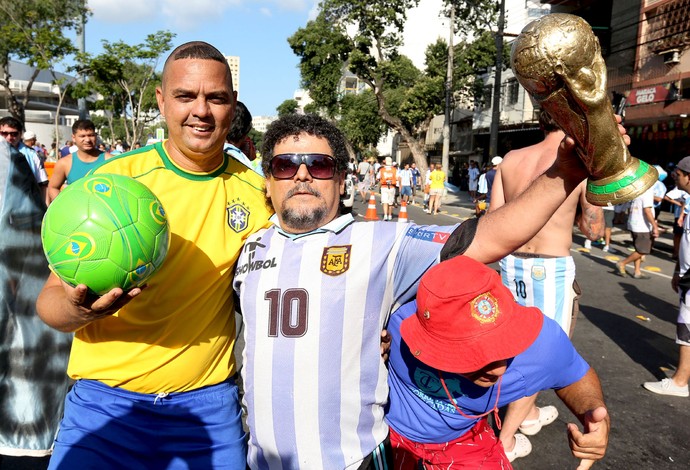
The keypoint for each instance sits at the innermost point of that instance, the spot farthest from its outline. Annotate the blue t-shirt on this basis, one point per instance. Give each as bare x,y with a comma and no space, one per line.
418,407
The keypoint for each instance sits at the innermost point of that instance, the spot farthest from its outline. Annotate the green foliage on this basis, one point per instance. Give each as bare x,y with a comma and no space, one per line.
311,108
399,72
364,37
436,58
257,137
33,31
323,48
125,76
473,17
287,107
423,101
359,120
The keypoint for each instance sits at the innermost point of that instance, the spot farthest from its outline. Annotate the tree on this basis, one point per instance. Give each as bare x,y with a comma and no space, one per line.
125,76
323,50
287,107
257,138
360,122
365,36
33,31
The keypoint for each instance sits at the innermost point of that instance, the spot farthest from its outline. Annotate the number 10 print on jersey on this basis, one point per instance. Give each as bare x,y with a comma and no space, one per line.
315,385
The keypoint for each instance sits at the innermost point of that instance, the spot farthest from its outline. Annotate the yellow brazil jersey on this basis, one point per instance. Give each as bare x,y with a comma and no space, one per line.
438,177
179,333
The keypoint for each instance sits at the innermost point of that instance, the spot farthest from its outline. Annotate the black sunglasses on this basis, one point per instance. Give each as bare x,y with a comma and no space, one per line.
319,165
13,134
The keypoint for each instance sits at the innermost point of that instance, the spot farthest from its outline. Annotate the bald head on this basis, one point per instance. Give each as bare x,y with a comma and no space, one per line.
196,50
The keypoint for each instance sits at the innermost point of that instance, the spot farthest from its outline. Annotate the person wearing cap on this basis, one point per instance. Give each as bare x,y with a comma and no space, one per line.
541,272
677,385
659,189
388,178
464,349
29,139
490,176
76,165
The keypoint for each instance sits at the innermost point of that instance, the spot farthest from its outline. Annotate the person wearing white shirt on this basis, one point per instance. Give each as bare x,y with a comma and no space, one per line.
644,230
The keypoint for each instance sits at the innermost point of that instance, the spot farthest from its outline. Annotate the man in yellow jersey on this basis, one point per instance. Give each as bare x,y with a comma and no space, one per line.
154,370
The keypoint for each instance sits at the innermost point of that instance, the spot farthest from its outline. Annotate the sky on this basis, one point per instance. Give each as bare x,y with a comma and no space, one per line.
255,30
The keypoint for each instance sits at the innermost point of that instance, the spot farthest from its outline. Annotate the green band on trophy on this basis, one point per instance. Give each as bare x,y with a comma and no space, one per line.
611,188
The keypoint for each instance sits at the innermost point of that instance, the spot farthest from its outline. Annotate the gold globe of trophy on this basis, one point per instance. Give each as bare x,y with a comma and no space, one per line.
558,60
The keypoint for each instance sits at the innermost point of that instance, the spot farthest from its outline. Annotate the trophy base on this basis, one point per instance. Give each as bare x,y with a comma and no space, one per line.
622,187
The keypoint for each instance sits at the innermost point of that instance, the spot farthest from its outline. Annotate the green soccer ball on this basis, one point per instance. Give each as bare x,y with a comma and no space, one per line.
105,231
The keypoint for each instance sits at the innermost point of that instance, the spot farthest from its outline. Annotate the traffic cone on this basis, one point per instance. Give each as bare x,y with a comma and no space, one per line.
402,215
371,209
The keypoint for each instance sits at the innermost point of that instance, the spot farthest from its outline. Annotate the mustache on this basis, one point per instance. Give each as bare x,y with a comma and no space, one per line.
302,188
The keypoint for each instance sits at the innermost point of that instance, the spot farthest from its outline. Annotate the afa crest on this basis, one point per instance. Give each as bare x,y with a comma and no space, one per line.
238,216
538,273
484,308
335,260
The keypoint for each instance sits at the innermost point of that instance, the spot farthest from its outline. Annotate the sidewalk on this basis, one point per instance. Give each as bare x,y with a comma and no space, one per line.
620,234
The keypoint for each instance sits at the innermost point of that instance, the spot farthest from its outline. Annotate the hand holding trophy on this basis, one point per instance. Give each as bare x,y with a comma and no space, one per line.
558,60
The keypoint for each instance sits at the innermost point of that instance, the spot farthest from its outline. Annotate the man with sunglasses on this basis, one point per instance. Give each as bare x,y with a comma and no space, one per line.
317,288
10,130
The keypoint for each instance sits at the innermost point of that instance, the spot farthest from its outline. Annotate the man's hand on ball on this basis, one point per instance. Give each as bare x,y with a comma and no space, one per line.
92,307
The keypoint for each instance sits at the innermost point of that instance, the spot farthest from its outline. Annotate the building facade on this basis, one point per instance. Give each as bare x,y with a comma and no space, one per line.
42,108
234,63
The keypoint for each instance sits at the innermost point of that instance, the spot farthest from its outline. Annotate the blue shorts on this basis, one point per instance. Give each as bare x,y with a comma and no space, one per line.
406,191
112,428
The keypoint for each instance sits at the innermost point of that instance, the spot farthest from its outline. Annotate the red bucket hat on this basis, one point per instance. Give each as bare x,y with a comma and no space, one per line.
466,318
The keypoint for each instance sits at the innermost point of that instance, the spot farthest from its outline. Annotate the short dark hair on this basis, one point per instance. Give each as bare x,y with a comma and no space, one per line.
83,125
241,124
312,124
197,50
12,122
547,123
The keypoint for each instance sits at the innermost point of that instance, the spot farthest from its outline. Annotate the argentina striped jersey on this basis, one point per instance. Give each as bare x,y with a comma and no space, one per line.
314,306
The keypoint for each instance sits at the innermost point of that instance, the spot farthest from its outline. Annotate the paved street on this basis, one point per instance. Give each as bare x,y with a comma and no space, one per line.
648,431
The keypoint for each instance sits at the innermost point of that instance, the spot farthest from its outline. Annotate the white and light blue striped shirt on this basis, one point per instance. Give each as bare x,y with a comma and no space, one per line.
314,306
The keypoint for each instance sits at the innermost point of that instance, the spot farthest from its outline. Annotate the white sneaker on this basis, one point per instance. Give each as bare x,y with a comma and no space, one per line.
667,387
606,248
588,244
522,448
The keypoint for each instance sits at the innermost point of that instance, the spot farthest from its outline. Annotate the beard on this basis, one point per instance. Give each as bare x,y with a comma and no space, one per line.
304,219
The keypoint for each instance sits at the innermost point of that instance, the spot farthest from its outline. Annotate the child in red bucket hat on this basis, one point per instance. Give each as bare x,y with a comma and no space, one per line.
466,348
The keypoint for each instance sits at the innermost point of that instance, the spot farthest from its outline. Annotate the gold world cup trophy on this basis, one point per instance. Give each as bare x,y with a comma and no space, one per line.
558,60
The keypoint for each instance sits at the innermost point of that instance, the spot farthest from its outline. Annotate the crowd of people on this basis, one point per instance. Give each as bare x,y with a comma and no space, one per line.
366,344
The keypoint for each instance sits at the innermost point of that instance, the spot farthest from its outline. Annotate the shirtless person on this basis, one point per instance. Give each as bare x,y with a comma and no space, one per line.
77,164
541,273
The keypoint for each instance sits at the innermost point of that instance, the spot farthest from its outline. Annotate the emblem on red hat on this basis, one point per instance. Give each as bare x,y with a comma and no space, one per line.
484,308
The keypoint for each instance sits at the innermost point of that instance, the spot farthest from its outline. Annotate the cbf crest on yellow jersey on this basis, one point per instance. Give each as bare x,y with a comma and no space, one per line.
179,334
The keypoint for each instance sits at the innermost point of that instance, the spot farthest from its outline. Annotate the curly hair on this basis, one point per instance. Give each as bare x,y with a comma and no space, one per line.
312,124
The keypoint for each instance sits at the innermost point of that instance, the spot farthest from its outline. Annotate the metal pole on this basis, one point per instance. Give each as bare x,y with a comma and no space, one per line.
496,107
81,41
449,91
